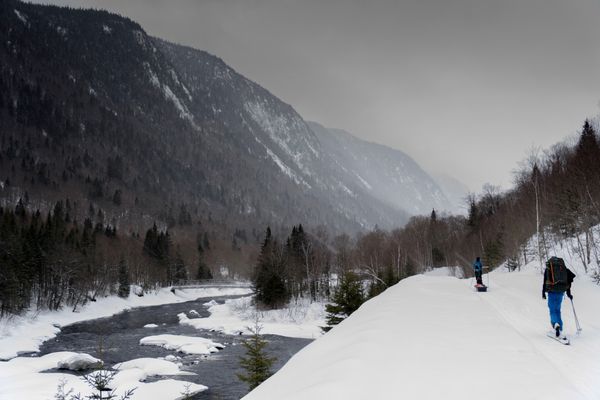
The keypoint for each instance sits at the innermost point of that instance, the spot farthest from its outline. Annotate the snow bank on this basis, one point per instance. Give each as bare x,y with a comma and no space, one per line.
183,344
301,319
26,333
20,378
168,389
80,362
152,367
434,337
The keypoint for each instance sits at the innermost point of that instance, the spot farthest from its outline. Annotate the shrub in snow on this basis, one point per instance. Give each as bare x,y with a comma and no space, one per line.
596,277
100,383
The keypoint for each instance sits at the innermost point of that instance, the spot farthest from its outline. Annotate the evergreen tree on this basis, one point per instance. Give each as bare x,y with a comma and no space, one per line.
346,299
206,242
123,280
256,363
588,142
203,271
180,274
473,217
269,280
117,197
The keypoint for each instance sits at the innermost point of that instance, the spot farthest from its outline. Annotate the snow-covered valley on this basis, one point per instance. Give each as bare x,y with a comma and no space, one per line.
430,336
164,344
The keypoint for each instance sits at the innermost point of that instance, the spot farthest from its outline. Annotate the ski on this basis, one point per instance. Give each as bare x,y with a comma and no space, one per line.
561,339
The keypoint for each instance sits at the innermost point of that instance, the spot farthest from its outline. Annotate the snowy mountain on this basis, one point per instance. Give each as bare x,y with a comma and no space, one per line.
147,130
275,133
382,172
434,337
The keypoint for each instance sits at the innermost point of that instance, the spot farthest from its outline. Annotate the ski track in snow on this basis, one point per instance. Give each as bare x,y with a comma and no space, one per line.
513,306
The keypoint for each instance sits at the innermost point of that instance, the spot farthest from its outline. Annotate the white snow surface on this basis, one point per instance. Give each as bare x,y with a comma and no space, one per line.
445,271
152,367
80,362
26,333
434,337
183,344
20,378
301,319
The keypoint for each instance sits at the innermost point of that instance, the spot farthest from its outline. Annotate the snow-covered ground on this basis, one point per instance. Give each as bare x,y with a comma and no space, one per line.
434,337
26,333
20,378
301,319
183,344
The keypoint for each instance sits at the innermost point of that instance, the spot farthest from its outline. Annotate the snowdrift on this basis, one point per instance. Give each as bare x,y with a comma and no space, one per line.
434,337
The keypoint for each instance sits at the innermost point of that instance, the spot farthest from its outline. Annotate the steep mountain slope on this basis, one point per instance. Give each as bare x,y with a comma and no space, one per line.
273,131
93,109
384,173
452,343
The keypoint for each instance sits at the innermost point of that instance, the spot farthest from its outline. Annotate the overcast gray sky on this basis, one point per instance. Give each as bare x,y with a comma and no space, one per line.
465,87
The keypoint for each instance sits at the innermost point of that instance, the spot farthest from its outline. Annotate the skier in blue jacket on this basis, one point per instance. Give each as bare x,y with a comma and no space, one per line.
478,269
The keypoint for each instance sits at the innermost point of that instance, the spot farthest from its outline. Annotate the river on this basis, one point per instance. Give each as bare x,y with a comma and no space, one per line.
116,339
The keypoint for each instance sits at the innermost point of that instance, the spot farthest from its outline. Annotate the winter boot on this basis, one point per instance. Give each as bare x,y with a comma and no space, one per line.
557,329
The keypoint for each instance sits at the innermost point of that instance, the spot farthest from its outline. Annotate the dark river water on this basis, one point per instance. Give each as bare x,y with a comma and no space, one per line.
116,339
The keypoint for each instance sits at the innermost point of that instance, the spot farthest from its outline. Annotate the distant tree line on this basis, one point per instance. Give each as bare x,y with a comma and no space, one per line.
52,261
305,264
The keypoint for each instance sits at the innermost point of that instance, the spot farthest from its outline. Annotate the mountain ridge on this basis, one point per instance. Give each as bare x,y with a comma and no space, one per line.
85,90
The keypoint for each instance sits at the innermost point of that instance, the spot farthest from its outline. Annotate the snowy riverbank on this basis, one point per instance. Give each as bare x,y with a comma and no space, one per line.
38,378
26,333
300,319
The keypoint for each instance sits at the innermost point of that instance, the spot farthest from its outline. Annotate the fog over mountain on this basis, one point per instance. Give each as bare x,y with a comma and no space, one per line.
385,173
455,191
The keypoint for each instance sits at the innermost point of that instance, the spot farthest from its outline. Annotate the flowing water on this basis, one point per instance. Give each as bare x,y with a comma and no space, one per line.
116,339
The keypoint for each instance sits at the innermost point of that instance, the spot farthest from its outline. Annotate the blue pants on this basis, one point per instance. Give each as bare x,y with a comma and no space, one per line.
554,302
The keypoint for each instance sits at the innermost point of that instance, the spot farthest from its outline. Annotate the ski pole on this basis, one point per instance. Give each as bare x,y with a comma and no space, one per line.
579,329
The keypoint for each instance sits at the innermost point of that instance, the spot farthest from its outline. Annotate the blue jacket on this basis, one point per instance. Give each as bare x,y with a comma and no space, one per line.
477,266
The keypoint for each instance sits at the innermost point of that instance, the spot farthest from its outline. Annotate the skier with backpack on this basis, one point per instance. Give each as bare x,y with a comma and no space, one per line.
557,281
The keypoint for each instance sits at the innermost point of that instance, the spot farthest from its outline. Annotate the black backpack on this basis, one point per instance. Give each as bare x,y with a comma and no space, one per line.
556,275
